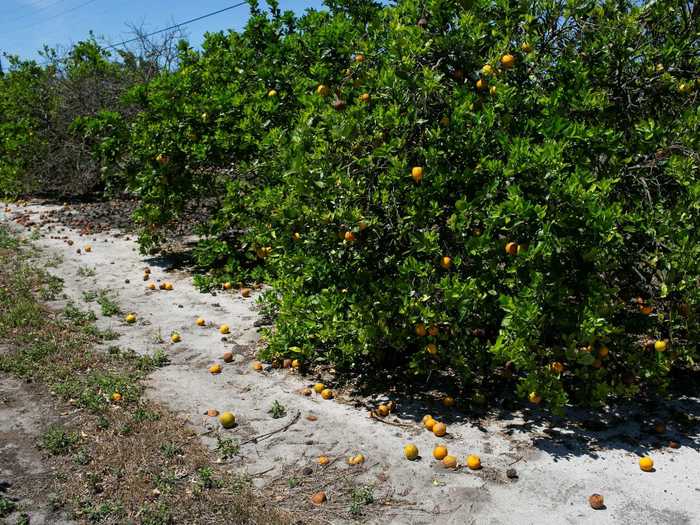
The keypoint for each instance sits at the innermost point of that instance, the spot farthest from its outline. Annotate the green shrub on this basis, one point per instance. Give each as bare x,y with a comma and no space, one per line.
581,149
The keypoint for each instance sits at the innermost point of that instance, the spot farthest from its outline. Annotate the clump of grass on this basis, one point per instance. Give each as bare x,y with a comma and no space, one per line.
86,271
360,498
277,410
7,506
107,304
58,440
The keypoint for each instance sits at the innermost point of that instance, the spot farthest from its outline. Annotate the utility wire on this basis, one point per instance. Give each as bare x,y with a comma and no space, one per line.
176,26
35,11
57,15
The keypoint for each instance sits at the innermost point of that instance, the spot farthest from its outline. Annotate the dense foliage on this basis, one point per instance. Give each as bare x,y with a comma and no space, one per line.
501,191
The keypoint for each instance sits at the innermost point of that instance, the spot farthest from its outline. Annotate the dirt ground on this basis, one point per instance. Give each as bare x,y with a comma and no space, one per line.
557,464
24,478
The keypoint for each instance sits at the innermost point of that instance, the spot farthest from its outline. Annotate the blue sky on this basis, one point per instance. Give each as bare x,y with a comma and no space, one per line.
26,25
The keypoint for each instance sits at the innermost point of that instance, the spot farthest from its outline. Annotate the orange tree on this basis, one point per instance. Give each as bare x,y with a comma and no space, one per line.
504,191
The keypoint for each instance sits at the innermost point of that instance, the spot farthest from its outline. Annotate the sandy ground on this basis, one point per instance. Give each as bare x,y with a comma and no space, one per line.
558,467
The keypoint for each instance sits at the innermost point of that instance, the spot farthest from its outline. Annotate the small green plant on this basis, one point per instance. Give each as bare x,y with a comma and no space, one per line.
206,479
170,450
227,447
82,457
78,316
107,304
57,440
51,287
141,415
277,410
7,506
293,482
361,497
152,514
86,271
89,296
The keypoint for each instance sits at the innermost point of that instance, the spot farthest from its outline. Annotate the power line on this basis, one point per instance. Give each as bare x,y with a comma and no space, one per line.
35,11
57,15
176,26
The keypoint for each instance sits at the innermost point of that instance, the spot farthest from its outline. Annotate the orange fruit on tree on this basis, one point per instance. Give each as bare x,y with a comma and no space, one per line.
296,236
493,91
482,84
660,346
296,363
526,47
349,236
359,57
646,464
448,401
473,462
449,462
512,248
507,61
603,351
410,451
439,429
534,398
487,70
323,90
646,310
557,367
272,93
439,452
417,173
433,330
365,97
420,330
327,393
431,349
446,262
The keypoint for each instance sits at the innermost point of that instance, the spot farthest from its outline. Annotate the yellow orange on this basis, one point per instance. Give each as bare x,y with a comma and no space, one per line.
507,61
439,429
473,462
431,349
349,236
440,452
257,365
446,262
215,368
449,462
487,70
116,396
512,248
410,451
646,464
272,93
417,173
420,330
175,338
660,346
481,84
224,329
327,393
535,398
227,420
130,318
323,460
319,387
200,322
429,422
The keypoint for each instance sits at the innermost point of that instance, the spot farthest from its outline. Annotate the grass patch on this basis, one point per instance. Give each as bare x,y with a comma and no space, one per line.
58,440
107,304
117,451
86,271
7,506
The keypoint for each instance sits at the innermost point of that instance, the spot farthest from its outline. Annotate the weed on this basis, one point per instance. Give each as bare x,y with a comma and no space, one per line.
82,457
277,410
89,296
7,241
58,441
107,304
77,316
51,287
156,515
165,481
361,496
293,482
7,506
86,271
227,447
205,478
170,450
100,513
141,415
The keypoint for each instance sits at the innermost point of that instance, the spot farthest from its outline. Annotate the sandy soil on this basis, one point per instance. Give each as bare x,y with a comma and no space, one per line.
558,464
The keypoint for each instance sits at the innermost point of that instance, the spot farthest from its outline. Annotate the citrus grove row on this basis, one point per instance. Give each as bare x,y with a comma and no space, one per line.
501,194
